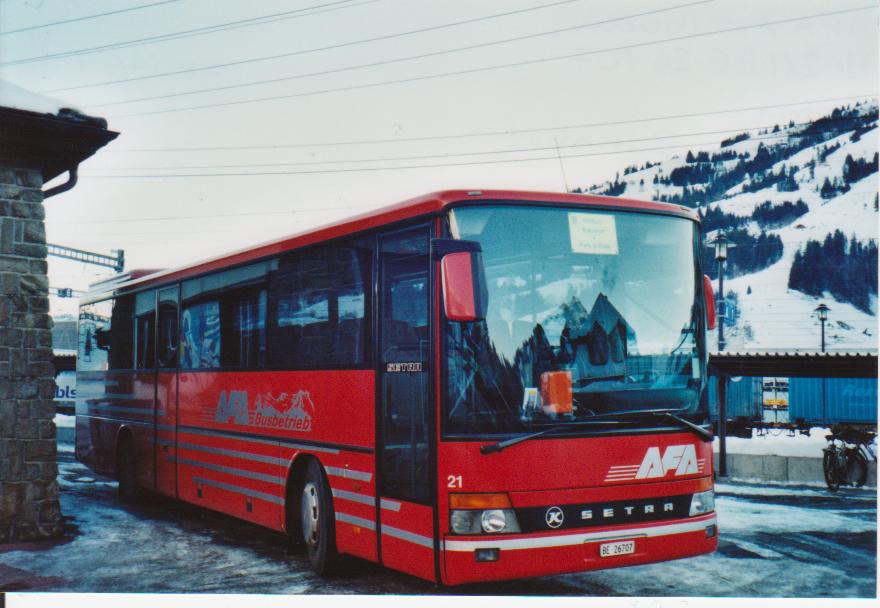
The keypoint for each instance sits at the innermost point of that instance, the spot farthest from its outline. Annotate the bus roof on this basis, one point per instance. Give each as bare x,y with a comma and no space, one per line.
426,204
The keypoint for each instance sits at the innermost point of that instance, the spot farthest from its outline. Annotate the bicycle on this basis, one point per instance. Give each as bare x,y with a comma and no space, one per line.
845,465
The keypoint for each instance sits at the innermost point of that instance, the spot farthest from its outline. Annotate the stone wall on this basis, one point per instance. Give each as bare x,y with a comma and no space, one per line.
29,507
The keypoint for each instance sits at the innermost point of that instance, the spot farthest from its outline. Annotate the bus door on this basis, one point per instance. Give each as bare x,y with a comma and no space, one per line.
139,405
405,478
166,392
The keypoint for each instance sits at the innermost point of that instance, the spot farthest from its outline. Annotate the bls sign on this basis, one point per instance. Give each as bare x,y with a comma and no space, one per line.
679,458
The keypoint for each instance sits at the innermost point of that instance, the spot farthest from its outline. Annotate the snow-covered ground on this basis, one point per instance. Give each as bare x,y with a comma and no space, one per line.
791,542
780,443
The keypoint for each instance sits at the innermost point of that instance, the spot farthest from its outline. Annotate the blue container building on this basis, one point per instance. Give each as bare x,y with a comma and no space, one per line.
842,400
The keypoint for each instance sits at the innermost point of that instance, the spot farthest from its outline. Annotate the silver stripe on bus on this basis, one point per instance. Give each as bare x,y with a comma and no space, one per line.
566,540
239,490
233,471
232,453
391,505
161,427
96,381
107,395
117,420
122,409
353,496
410,537
349,473
357,521
242,437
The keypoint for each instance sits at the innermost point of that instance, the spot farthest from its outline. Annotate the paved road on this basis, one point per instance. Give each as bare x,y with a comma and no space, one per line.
775,541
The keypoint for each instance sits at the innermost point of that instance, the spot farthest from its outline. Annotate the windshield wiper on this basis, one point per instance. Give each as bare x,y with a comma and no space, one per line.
607,418
703,433
497,447
666,413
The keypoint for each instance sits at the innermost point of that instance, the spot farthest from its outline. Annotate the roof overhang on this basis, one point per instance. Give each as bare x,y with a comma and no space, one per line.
49,143
795,364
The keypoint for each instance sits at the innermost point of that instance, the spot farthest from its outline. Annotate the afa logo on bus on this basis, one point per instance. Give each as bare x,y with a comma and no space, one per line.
677,459
289,411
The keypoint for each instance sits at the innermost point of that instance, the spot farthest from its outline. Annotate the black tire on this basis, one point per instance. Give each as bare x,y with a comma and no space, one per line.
317,520
856,467
829,467
126,472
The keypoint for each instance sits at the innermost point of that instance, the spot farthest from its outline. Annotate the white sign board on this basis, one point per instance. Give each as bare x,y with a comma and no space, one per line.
592,233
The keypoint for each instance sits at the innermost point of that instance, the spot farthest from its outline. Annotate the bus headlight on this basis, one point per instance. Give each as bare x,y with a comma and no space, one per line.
482,514
491,521
702,502
499,520
464,522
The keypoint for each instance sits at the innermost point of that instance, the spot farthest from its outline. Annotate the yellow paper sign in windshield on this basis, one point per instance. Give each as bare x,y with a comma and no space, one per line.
592,233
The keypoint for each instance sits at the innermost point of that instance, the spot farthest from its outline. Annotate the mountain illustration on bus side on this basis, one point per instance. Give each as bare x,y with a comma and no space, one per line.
287,410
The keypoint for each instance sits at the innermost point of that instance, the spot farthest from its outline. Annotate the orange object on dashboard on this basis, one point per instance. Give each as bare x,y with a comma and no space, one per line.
556,392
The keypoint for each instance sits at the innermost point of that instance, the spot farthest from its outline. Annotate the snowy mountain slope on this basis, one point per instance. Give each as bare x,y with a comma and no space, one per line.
770,315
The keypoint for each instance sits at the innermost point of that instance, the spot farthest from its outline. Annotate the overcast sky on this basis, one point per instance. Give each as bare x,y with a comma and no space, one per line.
362,88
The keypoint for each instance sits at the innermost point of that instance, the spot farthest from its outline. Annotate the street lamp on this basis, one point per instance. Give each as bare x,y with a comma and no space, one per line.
722,246
822,311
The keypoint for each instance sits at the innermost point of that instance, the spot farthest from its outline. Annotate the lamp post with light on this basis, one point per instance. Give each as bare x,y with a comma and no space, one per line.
722,246
822,312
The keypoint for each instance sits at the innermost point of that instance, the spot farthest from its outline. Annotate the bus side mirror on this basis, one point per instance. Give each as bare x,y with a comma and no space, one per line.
463,279
710,302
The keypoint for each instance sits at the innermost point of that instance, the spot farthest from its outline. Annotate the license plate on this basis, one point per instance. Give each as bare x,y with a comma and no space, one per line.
613,549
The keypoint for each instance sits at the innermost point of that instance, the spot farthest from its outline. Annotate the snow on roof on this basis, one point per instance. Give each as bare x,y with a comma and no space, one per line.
13,96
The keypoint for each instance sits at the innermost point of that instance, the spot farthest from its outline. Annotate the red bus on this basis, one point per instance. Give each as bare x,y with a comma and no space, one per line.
467,386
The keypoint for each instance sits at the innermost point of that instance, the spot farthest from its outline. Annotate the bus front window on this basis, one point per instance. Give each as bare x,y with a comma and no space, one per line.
602,301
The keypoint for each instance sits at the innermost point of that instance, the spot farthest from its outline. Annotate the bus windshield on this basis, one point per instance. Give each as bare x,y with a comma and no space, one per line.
590,312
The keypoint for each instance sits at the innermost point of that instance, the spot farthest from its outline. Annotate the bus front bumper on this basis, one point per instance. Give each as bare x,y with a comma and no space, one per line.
470,559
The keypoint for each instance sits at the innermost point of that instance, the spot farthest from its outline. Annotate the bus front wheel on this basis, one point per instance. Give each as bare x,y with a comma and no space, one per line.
317,521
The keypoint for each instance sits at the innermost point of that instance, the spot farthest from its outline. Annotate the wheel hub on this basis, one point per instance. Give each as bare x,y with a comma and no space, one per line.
310,511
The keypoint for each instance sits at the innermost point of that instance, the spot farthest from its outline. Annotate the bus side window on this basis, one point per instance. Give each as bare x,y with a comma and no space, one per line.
319,305
144,322
94,336
120,337
200,336
243,322
222,321
167,323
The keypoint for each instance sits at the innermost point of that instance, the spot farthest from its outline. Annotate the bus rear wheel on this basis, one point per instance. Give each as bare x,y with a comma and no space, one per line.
317,521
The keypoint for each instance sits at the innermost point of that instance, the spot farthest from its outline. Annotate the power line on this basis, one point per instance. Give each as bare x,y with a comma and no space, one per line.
423,166
210,29
318,49
498,66
465,154
495,133
76,19
456,154
399,167
202,217
402,59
